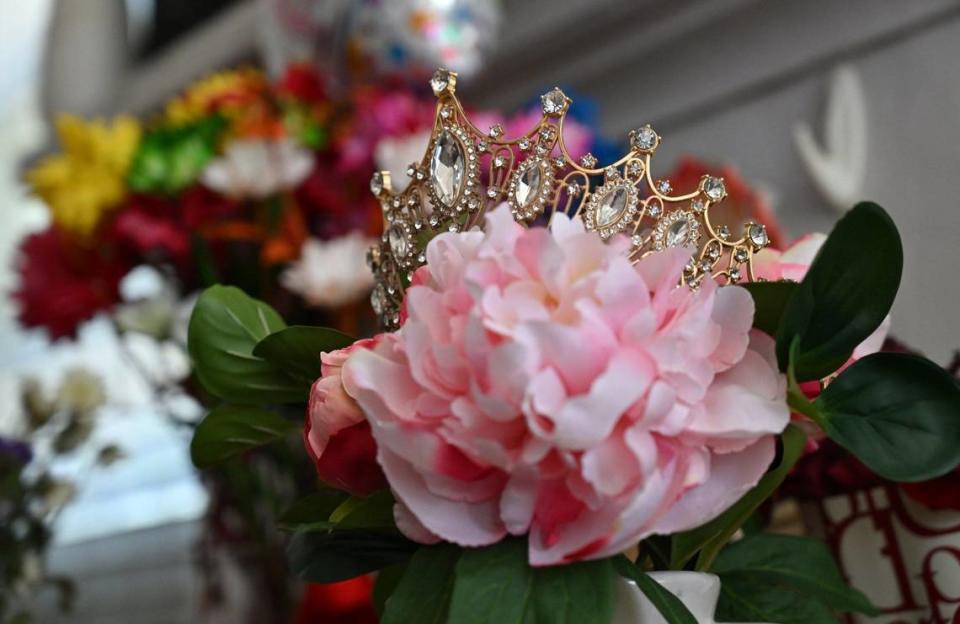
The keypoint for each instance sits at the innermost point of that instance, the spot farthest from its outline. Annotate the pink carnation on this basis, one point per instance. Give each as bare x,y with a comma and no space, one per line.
337,435
542,384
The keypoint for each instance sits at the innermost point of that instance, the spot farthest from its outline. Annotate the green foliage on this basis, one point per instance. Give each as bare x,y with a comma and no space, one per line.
169,159
784,579
770,300
341,554
423,593
844,296
898,413
229,430
296,350
225,327
495,584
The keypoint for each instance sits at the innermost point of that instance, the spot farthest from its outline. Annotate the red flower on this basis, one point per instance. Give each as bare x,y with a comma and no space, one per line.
63,283
346,602
302,82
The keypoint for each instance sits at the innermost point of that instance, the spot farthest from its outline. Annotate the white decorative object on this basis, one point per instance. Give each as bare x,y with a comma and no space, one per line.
837,168
698,591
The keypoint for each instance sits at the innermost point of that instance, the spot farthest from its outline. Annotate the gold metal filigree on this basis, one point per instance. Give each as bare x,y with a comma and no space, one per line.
467,171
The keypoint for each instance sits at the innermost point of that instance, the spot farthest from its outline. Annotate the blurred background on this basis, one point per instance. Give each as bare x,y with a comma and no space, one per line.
809,106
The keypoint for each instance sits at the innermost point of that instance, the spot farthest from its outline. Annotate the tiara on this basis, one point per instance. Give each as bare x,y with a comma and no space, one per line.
465,171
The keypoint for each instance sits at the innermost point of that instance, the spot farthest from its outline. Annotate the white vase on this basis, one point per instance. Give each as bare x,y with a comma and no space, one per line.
698,591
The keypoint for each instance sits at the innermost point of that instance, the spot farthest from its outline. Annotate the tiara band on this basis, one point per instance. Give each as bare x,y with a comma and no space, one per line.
466,171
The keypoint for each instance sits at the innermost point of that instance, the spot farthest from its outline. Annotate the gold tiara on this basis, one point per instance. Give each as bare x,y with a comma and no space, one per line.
466,171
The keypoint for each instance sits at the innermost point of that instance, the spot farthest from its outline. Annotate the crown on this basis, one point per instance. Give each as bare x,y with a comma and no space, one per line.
466,171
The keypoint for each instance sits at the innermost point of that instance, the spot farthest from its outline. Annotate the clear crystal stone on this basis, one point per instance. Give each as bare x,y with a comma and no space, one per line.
398,241
740,255
645,138
378,299
588,160
492,192
573,189
447,166
524,143
724,232
714,188
611,206
758,235
697,205
654,210
495,131
376,183
554,102
498,161
528,185
440,81
664,186
735,275
678,233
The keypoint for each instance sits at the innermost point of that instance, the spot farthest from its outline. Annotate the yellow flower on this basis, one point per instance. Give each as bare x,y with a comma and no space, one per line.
227,92
87,180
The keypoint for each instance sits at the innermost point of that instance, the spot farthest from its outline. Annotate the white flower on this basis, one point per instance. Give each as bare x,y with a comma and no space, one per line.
258,168
331,273
394,154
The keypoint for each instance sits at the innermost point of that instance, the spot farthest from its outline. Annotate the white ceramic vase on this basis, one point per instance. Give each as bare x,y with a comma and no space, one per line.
698,591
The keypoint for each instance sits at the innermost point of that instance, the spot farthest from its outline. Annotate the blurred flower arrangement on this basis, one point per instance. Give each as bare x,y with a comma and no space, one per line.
31,495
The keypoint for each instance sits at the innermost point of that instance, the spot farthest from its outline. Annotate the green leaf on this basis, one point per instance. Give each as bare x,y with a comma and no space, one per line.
338,555
801,563
229,430
374,511
313,511
744,598
898,413
386,583
225,326
296,350
845,295
770,300
496,584
423,593
711,537
669,606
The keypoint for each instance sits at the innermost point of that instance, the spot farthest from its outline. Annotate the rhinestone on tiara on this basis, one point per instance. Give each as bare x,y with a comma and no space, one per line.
467,171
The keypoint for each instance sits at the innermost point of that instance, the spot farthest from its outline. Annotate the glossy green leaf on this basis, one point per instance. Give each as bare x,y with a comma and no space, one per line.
898,413
296,350
225,326
669,606
801,563
229,430
770,300
338,555
744,598
423,593
495,584
845,295
388,579
711,537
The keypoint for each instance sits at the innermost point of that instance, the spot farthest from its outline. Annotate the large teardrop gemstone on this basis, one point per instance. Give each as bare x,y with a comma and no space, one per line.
678,233
447,166
528,185
611,206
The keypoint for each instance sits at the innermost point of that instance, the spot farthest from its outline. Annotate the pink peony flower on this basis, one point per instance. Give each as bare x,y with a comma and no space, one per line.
542,384
337,435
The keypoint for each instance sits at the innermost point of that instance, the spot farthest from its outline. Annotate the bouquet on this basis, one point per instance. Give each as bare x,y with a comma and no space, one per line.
580,401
